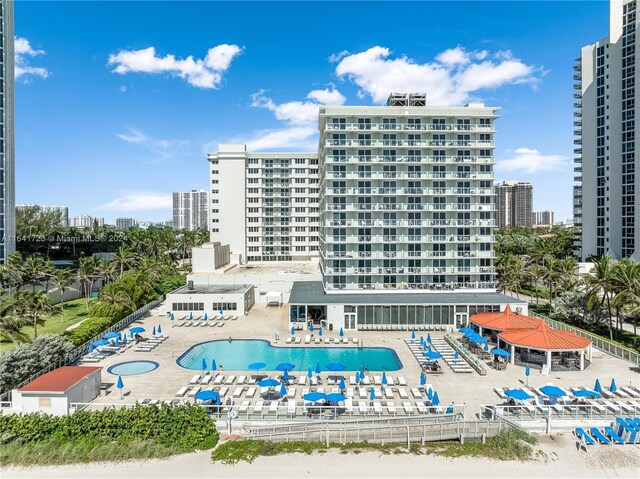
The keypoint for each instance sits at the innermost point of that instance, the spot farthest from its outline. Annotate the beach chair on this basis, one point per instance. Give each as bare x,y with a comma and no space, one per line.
362,407
584,437
298,340
625,407
377,407
291,408
291,393
273,407
416,393
206,379
500,392
630,391
354,340
377,380
257,407
596,405
388,393
251,392
195,390
307,339
305,391
242,380
223,391
244,407
182,391
302,380
422,409
326,340
350,392
288,341
230,379
220,324
234,317
408,409
612,434
252,379
237,392
391,407
378,393
362,393
317,341
218,380
621,393
195,379
403,393
401,381
595,432
611,406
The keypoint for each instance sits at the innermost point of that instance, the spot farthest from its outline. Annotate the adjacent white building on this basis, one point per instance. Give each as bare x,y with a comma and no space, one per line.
7,147
124,223
605,200
543,218
190,210
85,221
264,205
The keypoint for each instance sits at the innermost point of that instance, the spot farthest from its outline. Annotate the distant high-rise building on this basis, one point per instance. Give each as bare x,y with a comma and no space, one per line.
605,200
7,149
124,223
543,218
190,210
82,221
62,210
514,204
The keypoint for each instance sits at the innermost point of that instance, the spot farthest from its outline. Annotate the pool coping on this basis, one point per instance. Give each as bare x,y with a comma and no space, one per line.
395,353
134,361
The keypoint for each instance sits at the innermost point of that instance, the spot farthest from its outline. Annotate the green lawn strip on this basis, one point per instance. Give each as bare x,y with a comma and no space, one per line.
512,444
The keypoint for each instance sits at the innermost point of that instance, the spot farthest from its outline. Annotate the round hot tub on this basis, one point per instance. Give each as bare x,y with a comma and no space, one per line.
132,368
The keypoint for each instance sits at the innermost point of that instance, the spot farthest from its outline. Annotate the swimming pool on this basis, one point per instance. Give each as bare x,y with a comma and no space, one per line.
131,368
239,353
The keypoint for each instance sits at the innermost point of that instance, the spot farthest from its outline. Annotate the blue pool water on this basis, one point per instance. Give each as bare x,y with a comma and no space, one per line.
131,368
238,354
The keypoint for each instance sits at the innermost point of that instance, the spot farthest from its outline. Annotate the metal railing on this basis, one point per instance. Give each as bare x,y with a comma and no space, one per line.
598,342
558,412
77,353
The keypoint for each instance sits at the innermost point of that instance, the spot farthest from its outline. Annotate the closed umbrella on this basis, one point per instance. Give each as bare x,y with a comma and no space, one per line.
124,339
613,388
413,334
430,394
91,348
357,377
362,376
421,339
423,379
435,400
117,342
214,366
372,394
320,332
159,328
120,386
221,312
429,337
283,389
206,317
486,347
456,355
341,332
527,372
318,370
597,388
191,315
341,384
172,317
384,378
204,364
311,327
310,373
153,332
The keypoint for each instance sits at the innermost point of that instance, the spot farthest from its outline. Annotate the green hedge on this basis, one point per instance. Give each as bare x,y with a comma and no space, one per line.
188,427
88,329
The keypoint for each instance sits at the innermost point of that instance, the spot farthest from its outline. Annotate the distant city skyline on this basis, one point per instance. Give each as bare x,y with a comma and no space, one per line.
230,85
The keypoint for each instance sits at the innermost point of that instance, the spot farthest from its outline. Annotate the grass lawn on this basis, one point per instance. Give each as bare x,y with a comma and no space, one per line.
75,311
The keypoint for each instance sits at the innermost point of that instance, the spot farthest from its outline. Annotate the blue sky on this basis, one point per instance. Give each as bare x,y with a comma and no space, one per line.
112,115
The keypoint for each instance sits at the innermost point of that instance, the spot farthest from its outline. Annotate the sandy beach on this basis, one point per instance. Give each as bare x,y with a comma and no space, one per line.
558,457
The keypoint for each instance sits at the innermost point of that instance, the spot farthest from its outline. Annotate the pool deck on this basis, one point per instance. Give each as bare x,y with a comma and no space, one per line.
262,323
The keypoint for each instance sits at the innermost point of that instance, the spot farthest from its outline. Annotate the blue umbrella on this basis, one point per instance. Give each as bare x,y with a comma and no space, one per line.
465,330
552,391
456,355
257,366
204,364
111,335
432,355
191,315
311,327
318,370
500,352
120,386
613,388
153,331
314,397
285,367
159,329
221,312
486,347
423,379
597,388
117,342
335,367
384,378
341,332
206,317
430,394
137,329
214,366
413,334
429,337
172,317
372,394
285,376
124,339
335,397
527,370
357,377
435,400
362,376
421,340
341,384
283,389
208,396
587,393
293,331
310,373
100,342
320,332
517,394
91,348
268,383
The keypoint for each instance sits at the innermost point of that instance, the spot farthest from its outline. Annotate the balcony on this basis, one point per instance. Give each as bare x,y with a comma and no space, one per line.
389,254
390,238
414,191
577,104
364,254
577,86
364,238
577,77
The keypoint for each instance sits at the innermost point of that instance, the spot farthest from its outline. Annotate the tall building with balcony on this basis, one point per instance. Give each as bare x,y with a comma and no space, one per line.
125,223
407,200
605,200
7,148
514,204
264,205
190,210
543,218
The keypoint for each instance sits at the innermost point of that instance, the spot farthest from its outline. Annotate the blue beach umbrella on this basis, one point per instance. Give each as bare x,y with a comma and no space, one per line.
335,397
597,388
586,393
91,348
153,332
124,339
159,329
430,394
435,400
429,337
285,367
413,334
372,394
204,364
527,370
341,332
500,352
362,376
357,377
285,376
311,327
120,386
310,373
456,355
517,394
486,347
552,391
318,369
100,342
314,397
613,388
384,378
465,330
283,389
221,312
111,335
293,331
137,329
333,367
191,315
421,339
117,344
423,379
341,384
208,396
268,383
214,366
206,317
257,366
172,317
432,355
320,332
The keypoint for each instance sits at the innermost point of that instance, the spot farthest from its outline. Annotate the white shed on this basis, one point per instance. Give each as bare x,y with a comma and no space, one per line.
273,298
54,392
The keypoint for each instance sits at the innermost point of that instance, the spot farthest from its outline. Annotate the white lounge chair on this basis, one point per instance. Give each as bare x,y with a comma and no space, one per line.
377,407
388,393
244,407
251,392
230,379
242,380
206,379
218,380
182,391
291,408
302,380
362,407
257,407
307,339
408,409
403,393
195,379
237,392
291,393
195,390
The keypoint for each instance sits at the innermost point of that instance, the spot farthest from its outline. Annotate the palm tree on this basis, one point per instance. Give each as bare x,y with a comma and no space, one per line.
62,279
33,306
601,284
627,287
535,272
33,271
87,275
121,298
202,236
11,324
124,257
550,277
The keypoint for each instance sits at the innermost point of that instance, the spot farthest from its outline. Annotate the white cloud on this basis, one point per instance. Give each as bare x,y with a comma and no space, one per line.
123,89
23,51
205,73
529,160
302,138
336,57
139,201
162,149
327,97
449,80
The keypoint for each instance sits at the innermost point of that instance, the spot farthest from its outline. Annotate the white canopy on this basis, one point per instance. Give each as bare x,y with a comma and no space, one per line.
274,298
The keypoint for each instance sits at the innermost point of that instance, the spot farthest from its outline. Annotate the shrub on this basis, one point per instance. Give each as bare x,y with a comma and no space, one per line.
18,364
170,282
88,329
104,309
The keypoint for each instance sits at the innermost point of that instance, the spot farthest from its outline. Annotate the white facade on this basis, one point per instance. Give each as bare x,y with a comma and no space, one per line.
407,200
264,205
605,203
190,210
544,218
209,257
198,299
124,223
85,221
7,147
